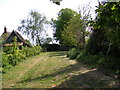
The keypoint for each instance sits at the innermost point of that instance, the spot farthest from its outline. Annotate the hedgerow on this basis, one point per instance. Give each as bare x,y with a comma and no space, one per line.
11,56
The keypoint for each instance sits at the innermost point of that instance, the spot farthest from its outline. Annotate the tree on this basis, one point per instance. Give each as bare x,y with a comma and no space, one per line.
109,13
74,34
107,22
63,18
85,17
33,26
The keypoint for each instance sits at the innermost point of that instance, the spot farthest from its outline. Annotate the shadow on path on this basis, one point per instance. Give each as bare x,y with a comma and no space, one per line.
87,80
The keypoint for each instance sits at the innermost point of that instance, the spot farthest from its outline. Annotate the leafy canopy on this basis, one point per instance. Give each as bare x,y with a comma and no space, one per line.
61,22
34,26
107,22
74,33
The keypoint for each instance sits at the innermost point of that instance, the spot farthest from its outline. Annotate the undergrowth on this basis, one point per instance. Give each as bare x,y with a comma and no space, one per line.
99,60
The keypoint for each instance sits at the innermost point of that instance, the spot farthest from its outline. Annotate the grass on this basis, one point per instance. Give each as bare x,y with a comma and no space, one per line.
38,74
52,70
100,61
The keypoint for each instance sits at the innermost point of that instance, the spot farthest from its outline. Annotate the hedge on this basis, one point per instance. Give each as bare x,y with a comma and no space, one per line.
14,55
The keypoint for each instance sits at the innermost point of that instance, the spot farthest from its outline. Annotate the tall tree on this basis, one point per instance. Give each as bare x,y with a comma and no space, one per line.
109,13
74,34
85,12
33,26
61,22
107,22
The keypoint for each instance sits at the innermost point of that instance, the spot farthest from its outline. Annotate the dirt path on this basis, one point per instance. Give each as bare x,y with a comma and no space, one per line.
54,70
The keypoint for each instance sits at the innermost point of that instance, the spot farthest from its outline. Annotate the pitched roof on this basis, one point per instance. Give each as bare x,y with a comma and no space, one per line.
19,38
5,34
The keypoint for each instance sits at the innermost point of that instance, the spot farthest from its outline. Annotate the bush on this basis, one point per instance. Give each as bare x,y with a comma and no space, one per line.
5,62
32,51
100,60
14,55
88,59
73,53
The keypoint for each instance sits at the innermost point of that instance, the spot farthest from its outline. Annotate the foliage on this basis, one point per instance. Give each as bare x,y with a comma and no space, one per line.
97,43
63,18
74,34
31,51
102,61
34,26
72,53
99,61
13,55
103,48
5,62
110,28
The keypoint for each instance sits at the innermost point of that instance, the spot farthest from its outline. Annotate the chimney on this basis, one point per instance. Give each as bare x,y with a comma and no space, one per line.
5,29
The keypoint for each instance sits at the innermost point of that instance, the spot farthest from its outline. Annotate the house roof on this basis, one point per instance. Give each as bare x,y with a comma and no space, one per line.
20,39
5,35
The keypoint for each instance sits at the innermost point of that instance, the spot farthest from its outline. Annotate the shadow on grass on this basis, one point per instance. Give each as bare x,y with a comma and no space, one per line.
90,79
79,80
59,71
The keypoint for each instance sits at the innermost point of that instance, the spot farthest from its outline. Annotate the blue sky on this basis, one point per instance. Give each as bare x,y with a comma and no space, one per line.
11,11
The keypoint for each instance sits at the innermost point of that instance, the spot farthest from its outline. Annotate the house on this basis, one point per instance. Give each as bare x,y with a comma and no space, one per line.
8,38
5,34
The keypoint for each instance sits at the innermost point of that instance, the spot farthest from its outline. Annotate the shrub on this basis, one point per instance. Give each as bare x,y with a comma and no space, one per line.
5,62
100,60
14,55
87,59
73,53
31,51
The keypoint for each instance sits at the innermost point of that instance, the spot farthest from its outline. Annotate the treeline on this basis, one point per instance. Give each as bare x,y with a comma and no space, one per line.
11,56
100,46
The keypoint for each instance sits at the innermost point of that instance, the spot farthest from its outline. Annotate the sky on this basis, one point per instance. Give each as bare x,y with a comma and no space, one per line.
12,11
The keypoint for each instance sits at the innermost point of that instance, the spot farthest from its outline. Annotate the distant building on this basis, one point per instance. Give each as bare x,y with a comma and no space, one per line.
8,38
5,34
